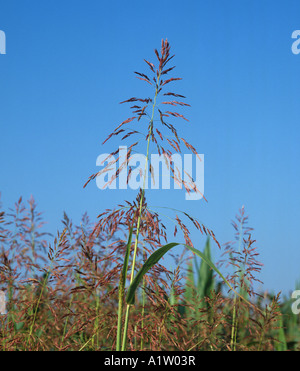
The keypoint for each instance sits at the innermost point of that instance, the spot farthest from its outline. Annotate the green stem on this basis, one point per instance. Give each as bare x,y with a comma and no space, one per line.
234,319
143,304
37,306
140,215
65,325
96,325
119,328
122,282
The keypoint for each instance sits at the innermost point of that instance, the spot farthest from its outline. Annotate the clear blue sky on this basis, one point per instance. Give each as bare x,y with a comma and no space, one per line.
70,63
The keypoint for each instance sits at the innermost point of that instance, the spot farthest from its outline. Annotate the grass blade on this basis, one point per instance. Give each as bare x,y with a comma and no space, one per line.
205,274
156,256
150,262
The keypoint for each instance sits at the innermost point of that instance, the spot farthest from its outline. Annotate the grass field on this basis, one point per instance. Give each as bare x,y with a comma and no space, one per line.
102,285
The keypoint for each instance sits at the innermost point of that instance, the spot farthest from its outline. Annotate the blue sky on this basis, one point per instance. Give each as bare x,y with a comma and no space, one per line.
70,63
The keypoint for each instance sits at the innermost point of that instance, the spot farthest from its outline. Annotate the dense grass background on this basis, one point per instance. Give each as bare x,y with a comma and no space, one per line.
63,295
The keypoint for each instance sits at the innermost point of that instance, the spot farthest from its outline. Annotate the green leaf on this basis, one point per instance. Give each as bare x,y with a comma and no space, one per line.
190,290
150,262
156,256
126,261
19,326
190,284
281,345
205,274
172,298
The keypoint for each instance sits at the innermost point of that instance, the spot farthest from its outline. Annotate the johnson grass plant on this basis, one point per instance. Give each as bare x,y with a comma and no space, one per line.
102,285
